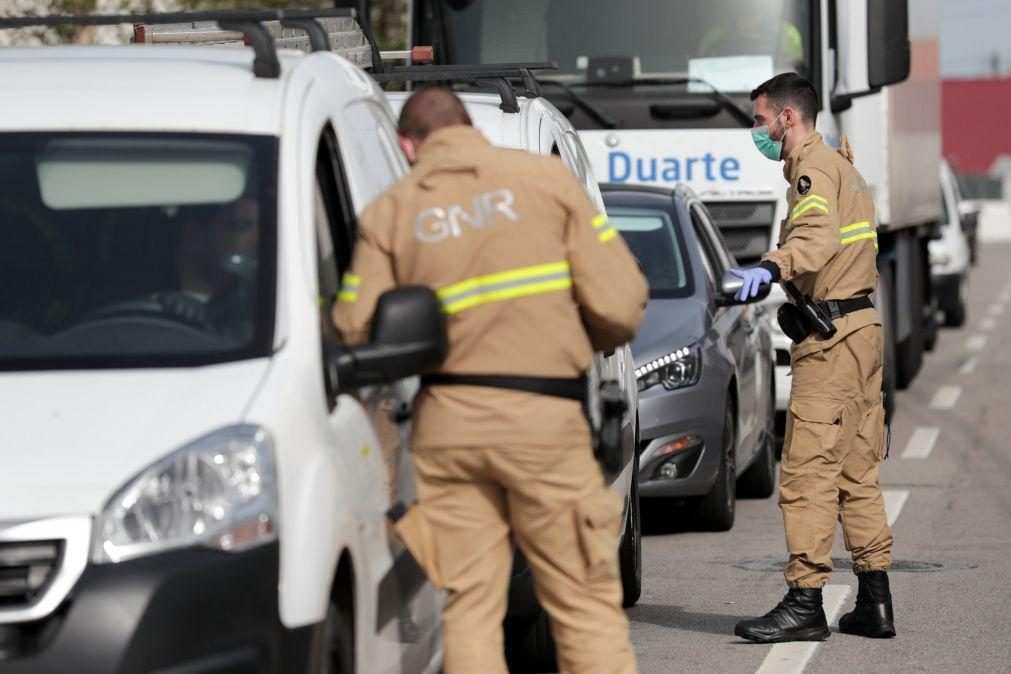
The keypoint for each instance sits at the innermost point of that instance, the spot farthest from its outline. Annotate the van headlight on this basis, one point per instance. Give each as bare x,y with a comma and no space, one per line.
218,492
675,370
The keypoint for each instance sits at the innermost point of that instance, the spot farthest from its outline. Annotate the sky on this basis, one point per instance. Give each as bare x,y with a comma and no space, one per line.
971,31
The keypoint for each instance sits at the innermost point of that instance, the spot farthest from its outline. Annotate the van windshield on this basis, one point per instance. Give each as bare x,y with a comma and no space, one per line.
135,250
733,45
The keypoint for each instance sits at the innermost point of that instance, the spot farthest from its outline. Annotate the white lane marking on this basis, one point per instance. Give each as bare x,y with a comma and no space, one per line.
969,366
921,442
996,309
894,500
987,324
946,397
792,658
976,342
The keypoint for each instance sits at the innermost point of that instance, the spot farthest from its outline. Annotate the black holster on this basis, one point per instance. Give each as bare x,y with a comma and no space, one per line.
607,447
793,322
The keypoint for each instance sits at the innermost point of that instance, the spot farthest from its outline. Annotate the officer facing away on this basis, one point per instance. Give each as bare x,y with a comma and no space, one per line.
532,280
835,424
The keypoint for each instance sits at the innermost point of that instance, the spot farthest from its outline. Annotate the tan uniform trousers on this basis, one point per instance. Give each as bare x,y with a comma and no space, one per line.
834,445
553,502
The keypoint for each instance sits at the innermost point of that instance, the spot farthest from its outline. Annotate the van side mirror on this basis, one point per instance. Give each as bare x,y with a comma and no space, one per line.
408,337
730,284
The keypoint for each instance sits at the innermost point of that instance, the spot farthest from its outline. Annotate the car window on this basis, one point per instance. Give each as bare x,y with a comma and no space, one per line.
711,242
125,250
657,244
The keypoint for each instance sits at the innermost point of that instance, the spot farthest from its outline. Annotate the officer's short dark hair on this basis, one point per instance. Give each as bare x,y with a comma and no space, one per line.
430,109
790,89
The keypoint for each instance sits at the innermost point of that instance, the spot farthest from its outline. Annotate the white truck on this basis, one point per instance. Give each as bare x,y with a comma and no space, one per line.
660,94
194,473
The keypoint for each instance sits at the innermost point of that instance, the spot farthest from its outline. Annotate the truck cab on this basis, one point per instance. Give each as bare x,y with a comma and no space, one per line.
196,472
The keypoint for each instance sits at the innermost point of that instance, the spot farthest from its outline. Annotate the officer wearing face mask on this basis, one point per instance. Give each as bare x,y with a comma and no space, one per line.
834,440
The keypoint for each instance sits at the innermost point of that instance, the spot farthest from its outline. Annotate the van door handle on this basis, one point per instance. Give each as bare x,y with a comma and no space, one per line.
749,328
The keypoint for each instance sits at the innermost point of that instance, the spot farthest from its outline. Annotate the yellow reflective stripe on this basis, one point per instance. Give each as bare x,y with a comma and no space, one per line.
347,296
813,198
859,237
814,204
349,288
351,279
599,221
505,285
607,235
856,225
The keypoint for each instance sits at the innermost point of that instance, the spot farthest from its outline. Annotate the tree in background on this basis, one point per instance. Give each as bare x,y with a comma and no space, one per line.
389,17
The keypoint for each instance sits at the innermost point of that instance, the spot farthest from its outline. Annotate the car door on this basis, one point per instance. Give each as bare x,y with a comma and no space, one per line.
738,329
407,607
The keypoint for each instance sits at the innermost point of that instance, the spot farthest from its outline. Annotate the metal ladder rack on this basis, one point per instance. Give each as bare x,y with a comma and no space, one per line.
249,24
497,75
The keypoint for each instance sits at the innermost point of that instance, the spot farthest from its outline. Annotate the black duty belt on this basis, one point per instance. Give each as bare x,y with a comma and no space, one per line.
839,308
573,389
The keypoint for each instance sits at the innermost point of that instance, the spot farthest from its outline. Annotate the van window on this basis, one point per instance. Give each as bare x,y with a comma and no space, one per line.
136,250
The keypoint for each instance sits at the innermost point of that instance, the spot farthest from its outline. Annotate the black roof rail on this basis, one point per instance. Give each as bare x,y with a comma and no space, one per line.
497,75
247,22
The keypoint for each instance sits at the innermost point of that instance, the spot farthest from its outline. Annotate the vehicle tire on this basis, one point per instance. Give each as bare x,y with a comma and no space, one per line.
338,643
529,645
630,552
909,352
759,480
716,512
955,314
883,301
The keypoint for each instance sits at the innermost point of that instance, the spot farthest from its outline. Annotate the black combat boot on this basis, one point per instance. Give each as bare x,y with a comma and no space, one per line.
799,617
872,616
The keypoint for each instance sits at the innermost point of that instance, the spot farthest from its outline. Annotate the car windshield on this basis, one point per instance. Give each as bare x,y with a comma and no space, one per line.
657,245
135,249
732,45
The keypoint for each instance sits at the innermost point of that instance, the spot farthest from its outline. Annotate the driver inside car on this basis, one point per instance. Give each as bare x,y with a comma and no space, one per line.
214,266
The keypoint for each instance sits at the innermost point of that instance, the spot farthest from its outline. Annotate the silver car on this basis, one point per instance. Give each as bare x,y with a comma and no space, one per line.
704,363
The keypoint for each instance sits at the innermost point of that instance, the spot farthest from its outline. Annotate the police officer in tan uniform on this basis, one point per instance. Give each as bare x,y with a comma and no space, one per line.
532,280
835,424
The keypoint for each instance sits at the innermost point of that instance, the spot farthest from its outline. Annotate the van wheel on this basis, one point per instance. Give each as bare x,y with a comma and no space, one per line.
338,646
955,312
759,481
529,646
630,552
716,513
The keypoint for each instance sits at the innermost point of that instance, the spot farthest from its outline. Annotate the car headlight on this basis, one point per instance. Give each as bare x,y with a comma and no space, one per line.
219,491
675,370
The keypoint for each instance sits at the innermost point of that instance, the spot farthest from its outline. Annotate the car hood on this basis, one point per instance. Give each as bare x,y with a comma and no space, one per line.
669,324
71,439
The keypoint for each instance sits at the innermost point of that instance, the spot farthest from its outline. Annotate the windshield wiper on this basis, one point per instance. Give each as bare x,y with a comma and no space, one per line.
602,118
715,94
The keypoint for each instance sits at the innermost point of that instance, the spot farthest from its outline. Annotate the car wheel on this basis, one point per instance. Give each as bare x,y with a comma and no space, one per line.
716,513
955,314
338,645
529,645
630,552
759,481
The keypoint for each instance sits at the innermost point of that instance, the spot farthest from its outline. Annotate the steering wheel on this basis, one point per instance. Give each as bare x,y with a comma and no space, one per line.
171,305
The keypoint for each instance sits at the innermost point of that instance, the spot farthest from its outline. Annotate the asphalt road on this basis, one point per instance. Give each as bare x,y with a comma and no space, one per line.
947,490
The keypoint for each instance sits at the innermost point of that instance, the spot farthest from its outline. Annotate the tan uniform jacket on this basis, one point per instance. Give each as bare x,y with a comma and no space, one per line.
828,243
532,279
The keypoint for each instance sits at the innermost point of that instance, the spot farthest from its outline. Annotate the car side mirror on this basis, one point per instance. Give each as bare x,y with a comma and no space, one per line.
731,283
408,337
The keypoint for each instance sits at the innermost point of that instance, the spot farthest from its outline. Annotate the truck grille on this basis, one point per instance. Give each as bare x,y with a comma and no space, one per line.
25,569
745,225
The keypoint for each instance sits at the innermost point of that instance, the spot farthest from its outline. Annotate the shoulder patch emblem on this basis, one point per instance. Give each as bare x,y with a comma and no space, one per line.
803,185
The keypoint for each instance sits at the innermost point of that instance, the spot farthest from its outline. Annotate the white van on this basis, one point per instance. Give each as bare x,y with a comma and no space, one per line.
194,475
528,122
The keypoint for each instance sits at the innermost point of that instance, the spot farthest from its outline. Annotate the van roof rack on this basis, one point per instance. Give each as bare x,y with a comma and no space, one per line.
249,25
497,75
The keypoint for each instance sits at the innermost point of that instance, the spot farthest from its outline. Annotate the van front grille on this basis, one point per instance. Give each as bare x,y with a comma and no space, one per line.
25,569
746,226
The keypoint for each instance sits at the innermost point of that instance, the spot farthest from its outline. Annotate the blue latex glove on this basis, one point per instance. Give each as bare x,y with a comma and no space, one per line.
753,278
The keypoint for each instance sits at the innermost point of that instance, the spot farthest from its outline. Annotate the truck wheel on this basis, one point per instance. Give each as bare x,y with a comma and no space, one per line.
955,312
529,645
716,512
759,481
909,352
630,552
883,299
338,647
